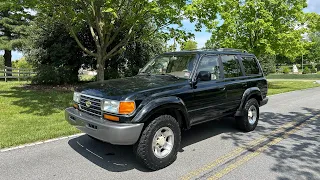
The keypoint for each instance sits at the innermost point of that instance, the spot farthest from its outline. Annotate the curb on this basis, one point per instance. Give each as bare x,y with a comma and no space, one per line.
40,142
292,91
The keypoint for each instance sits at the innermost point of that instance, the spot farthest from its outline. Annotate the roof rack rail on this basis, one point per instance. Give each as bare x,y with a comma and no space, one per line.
221,49
232,49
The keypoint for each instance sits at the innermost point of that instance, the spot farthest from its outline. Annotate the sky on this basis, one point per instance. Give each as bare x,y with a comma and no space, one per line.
203,36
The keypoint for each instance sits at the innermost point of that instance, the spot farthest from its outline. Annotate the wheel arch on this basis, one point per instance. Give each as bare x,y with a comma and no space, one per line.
173,106
253,92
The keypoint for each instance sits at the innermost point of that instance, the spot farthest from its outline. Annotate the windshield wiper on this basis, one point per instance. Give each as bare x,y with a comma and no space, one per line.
145,73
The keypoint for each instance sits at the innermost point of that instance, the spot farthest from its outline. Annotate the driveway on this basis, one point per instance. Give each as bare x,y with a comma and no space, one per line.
285,145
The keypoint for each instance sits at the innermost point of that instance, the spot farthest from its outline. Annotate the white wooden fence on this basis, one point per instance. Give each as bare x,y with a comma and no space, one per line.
16,73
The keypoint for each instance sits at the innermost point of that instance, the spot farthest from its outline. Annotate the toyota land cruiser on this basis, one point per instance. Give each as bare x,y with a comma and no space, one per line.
173,92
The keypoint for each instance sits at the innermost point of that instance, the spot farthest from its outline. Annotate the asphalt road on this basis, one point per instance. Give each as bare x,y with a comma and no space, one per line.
285,145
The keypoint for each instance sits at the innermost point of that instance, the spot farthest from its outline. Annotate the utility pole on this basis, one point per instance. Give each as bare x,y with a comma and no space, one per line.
302,64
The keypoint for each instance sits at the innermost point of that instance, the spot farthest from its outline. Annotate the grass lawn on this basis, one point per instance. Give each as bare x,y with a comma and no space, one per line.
32,115
294,76
276,87
29,114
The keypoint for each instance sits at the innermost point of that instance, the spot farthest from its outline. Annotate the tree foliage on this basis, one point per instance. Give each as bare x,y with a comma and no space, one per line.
261,27
53,53
57,57
314,49
189,45
14,22
138,51
107,18
22,63
312,21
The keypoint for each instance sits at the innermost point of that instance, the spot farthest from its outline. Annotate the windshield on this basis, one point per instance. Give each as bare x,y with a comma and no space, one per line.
178,65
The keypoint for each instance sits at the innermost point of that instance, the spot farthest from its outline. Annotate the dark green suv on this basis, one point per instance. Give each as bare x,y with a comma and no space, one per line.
174,91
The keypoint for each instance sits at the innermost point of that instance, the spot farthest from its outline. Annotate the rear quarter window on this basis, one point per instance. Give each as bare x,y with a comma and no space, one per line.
250,66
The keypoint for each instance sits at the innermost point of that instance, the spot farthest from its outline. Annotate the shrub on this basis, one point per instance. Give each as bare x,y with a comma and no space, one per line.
306,70
286,70
313,70
22,63
54,54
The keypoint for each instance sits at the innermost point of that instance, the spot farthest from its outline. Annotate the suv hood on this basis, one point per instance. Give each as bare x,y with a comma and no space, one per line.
117,88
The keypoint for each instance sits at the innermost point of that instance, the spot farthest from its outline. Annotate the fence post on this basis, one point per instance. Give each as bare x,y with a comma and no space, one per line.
5,73
29,75
19,74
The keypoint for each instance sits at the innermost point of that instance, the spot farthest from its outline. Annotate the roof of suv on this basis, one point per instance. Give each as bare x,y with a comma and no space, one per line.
213,51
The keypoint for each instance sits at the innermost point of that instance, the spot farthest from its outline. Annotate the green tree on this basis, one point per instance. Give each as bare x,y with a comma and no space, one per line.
21,63
57,57
53,53
14,21
189,45
314,49
261,27
107,18
312,21
138,51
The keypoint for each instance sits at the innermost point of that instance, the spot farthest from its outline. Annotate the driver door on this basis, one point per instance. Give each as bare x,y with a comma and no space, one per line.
210,95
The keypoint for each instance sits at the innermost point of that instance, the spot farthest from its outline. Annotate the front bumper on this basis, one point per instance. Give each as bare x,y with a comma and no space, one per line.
104,130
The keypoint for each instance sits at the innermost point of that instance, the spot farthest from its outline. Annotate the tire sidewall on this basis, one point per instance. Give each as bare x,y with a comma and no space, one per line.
177,139
143,148
249,103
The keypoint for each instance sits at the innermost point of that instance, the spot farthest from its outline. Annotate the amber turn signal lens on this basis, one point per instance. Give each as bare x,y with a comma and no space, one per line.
111,118
126,107
76,106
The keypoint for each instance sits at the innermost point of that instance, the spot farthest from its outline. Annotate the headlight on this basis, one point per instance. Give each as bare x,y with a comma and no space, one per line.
76,97
110,106
117,107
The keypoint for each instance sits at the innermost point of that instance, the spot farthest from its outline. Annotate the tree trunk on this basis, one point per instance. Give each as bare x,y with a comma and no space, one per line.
100,68
7,61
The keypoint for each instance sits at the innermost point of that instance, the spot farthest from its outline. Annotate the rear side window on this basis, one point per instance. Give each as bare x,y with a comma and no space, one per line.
231,67
250,66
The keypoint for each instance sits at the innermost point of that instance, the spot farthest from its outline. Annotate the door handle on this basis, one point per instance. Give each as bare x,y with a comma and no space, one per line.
244,85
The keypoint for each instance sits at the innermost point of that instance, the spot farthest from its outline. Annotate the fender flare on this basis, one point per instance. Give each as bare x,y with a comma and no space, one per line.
245,97
163,103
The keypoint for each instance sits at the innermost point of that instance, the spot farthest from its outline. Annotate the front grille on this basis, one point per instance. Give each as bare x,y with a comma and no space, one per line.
94,107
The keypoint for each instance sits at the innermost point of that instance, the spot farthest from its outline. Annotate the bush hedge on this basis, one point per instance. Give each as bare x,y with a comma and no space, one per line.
306,70
286,70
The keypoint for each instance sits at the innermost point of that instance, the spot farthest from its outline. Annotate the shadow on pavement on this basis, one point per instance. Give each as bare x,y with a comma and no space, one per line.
297,156
121,158
306,149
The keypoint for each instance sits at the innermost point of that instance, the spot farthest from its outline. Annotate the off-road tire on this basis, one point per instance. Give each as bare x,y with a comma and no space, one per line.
243,121
143,148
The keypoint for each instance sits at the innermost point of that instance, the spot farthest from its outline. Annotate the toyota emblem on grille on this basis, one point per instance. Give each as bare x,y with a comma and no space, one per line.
88,103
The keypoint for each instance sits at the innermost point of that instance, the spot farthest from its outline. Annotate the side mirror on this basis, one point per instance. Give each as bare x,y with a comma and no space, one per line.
204,76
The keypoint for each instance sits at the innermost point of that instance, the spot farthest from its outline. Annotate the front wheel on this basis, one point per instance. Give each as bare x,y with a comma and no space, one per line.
159,143
249,121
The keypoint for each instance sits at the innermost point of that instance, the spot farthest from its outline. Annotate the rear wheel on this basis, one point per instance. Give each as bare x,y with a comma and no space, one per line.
159,143
249,120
